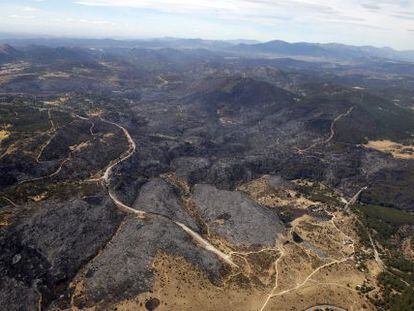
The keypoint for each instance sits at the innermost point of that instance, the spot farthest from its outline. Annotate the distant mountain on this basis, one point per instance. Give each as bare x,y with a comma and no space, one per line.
8,53
243,41
158,43
245,48
327,51
46,54
283,48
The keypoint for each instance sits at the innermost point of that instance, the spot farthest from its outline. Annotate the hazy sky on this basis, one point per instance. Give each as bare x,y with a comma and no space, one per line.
360,22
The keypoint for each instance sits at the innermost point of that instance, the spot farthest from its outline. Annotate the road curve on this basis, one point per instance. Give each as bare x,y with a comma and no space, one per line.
331,135
141,214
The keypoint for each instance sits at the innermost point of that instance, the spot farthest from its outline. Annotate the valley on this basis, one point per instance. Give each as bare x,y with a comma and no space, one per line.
204,179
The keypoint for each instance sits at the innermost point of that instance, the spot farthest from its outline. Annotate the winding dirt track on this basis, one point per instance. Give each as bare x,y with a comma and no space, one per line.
334,262
47,176
53,131
200,241
141,214
377,257
331,135
10,201
276,264
352,201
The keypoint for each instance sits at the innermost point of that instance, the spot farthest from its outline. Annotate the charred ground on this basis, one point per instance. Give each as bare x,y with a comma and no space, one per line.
210,127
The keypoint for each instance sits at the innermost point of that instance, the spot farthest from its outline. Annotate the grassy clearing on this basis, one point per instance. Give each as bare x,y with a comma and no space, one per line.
4,135
397,150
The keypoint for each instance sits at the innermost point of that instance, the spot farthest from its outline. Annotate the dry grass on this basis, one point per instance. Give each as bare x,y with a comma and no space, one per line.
56,74
263,193
407,248
174,180
11,71
108,135
307,278
397,150
316,294
95,113
324,236
39,197
5,218
58,101
3,135
180,286
311,280
303,277
79,147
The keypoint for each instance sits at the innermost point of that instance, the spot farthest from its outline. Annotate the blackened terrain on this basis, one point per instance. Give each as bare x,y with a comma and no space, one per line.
204,121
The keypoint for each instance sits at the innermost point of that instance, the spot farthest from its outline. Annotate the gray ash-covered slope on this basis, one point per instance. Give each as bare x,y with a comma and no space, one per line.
236,218
208,120
9,54
160,198
45,248
237,92
243,127
123,269
245,100
232,129
16,296
72,148
235,116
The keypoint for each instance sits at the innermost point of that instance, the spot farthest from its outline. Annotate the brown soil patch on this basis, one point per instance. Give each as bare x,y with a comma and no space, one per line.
177,182
324,236
263,193
407,248
303,276
95,113
316,294
5,218
11,71
57,102
180,286
56,74
3,135
397,150
40,197
79,147
295,266
109,135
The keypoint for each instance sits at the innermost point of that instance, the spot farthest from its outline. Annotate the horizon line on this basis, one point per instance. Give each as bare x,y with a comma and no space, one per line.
33,36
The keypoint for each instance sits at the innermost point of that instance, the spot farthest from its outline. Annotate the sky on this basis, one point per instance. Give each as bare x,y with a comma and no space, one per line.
358,22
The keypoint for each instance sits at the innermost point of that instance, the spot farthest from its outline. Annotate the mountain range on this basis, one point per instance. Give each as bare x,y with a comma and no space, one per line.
272,49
